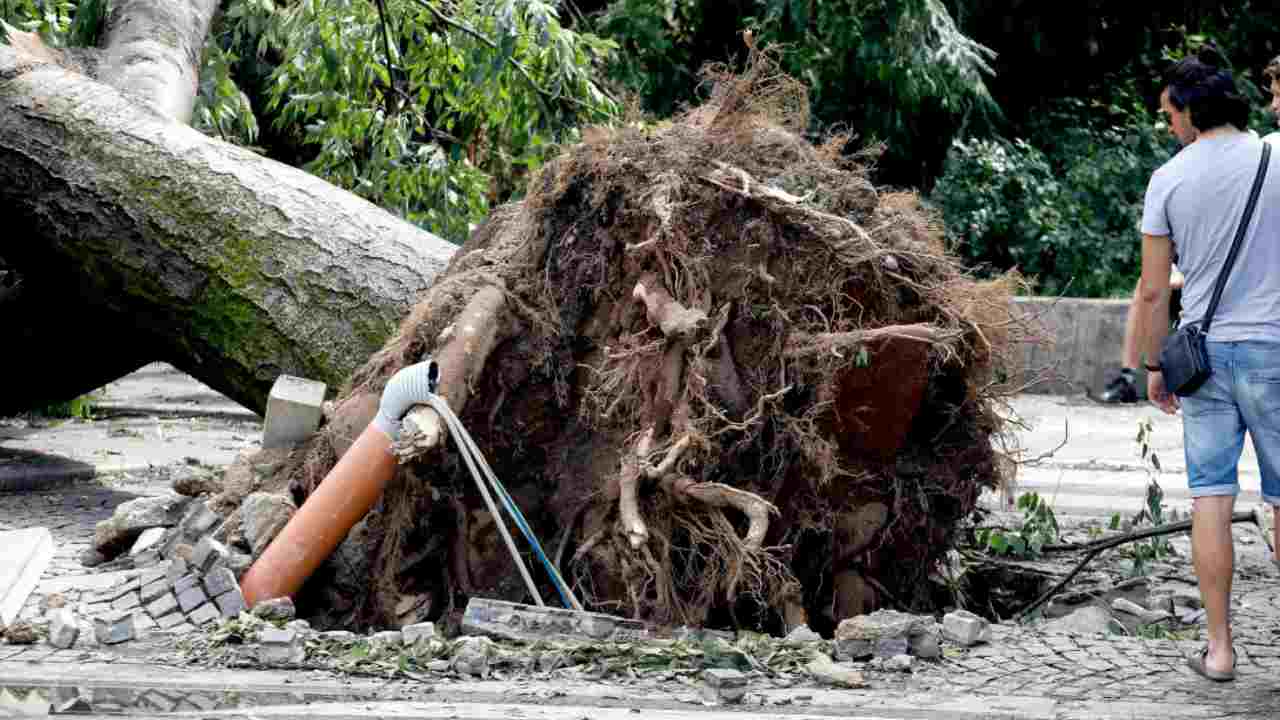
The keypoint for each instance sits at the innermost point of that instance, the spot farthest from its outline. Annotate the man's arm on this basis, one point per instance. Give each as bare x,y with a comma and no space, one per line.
1157,259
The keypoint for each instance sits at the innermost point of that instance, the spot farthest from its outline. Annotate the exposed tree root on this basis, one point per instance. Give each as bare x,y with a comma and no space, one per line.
674,319
719,495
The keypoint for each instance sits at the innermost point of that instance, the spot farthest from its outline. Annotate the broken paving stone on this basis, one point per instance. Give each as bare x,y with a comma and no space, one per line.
883,633
723,686
965,628
294,410
191,599
1091,620
114,628
155,590
207,553
204,615
231,604
218,581
275,609
199,521
413,634
131,518
280,647
925,646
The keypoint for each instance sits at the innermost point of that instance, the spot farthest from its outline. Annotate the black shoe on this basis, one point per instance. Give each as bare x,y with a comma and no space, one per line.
1120,390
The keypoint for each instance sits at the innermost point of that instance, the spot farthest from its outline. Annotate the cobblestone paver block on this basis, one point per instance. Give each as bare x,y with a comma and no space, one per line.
164,605
280,647
64,628
294,408
965,628
218,581
178,569
413,634
185,583
230,604
386,639
172,620
154,591
199,520
115,628
191,598
204,615
207,553
128,601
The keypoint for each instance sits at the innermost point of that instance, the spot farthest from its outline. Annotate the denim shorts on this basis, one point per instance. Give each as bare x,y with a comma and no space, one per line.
1243,393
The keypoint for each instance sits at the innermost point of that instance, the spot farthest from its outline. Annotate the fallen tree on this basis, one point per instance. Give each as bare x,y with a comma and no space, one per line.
140,239
729,381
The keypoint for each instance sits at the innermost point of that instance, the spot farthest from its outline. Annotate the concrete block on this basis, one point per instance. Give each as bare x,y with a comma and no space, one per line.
204,615
218,581
231,603
192,598
64,628
114,629
164,605
148,540
294,409
723,686
416,633
26,555
965,628
514,621
207,553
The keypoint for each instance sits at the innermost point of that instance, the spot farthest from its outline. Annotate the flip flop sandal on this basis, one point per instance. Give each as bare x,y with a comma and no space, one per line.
1196,662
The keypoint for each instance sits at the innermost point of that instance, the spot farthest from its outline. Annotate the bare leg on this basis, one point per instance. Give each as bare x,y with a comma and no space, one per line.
1214,559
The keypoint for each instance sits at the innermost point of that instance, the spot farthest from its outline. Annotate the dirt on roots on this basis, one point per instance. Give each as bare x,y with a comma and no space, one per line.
731,384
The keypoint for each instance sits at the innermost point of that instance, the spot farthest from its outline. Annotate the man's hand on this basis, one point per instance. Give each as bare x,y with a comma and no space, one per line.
1159,395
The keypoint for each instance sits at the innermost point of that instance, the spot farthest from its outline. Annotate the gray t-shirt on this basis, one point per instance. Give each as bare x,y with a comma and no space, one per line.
1197,199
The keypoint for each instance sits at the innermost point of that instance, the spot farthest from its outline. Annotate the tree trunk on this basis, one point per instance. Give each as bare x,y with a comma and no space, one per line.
239,267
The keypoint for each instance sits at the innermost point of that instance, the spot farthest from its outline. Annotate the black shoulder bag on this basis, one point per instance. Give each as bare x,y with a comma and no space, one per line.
1184,358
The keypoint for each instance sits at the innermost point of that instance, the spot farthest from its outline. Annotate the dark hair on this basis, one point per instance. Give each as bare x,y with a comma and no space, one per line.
1271,72
1203,82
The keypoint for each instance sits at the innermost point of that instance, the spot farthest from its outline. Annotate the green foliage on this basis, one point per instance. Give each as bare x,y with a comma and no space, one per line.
52,19
468,103
1156,548
1039,528
1066,214
79,407
661,48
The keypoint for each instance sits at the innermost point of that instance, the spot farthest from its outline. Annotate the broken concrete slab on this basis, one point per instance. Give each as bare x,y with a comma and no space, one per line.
26,555
294,409
965,628
514,621
133,517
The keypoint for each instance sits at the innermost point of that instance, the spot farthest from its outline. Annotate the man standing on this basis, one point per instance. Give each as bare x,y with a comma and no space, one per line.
1193,205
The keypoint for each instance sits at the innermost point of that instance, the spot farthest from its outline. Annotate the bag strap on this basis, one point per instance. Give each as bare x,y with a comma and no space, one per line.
1240,231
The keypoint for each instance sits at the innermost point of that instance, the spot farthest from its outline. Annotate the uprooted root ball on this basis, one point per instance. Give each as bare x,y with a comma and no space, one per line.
729,381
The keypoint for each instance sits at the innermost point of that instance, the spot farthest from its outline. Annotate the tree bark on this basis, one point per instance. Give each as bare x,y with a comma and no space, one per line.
239,268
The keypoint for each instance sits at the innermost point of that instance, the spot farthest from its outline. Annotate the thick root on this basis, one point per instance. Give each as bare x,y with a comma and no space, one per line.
465,346
802,345
634,526
674,319
756,508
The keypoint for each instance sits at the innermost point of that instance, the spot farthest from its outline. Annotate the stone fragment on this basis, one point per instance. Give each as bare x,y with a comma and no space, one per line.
143,622
218,581
263,516
802,634
149,576
204,615
130,518
294,408
1091,620
21,632
275,609
899,663
191,598
148,540
386,639
965,628
1160,602
472,656
302,627
416,633
281,647
196,481
231,603
114,628
823,670
723,686
146,558
185,583
199,521
342,636
238,563
163,605
884,633
207,553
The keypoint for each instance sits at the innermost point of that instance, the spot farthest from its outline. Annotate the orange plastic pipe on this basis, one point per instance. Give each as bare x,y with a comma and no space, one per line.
344,496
